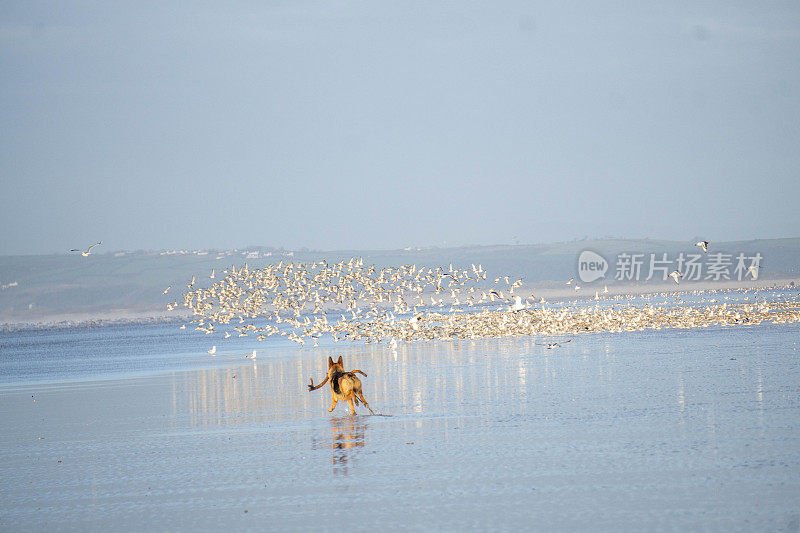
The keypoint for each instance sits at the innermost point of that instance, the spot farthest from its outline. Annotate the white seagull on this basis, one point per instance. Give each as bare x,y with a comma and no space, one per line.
251,355
88,250
551,345
703,245
675,275
212,351
167,289
753,270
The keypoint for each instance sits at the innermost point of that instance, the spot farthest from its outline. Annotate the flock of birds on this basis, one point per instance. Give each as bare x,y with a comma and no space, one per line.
348,300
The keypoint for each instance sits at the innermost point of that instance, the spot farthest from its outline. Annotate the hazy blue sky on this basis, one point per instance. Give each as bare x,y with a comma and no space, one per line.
383,125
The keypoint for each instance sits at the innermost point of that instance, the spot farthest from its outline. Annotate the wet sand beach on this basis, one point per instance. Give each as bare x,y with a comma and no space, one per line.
646,430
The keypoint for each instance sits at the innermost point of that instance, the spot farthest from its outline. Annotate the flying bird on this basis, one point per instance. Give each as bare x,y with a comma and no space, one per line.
88,250
753,270
551,345
703,245
570,281
212,351
675,275
251,355
167,289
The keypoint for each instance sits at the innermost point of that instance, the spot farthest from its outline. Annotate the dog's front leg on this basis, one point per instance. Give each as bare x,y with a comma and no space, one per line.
333,403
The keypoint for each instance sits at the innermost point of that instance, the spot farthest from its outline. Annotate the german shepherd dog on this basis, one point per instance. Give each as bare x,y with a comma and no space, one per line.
344,385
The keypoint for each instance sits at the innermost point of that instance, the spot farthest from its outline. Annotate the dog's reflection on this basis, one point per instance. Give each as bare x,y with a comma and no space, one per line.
348,440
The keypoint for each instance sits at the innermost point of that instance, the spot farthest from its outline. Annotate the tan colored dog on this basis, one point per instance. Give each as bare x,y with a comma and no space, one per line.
344,385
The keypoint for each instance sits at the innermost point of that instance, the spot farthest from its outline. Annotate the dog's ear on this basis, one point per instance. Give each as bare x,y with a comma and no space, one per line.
330,362
340,361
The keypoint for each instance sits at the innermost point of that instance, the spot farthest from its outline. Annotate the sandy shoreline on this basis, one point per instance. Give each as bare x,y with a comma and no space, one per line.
615,432
99,319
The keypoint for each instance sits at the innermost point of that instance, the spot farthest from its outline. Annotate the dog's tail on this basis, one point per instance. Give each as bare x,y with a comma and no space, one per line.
359,371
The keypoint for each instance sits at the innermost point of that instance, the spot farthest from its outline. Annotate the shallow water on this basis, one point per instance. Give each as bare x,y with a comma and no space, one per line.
57,355
695,429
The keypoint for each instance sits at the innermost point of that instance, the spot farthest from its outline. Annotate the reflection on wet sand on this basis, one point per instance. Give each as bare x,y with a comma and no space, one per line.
415,379
419,382
252,392
345,442
348,438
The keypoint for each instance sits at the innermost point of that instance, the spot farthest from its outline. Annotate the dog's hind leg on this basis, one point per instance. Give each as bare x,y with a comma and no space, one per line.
361,395
350,402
